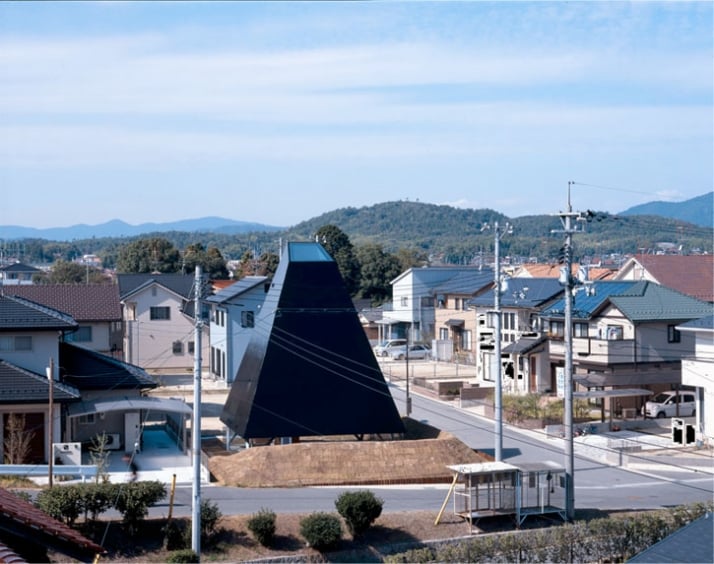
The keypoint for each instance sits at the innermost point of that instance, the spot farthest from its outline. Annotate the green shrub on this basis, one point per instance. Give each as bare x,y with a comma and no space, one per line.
321,530
262,526
180,556
133,500
210,514
175,537
359,510
64,503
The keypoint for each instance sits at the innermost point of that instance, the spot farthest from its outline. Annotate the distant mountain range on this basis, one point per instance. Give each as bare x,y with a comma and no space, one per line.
698,211
118,228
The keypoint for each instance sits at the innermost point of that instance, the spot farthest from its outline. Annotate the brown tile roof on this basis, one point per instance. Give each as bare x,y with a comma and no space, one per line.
553,271
84,302
25,522
692,275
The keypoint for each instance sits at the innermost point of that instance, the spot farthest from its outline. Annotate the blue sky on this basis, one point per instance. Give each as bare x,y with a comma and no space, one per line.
276,112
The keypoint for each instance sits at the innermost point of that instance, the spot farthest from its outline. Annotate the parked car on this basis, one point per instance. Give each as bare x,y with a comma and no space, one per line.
417,352
665,405
383,348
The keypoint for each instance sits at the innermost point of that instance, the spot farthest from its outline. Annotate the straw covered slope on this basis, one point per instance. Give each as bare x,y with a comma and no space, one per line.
344,462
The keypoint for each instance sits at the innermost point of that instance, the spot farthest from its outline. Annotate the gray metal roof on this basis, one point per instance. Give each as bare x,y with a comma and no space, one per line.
522,292
181,284
706,323
648,301
236,289
21,386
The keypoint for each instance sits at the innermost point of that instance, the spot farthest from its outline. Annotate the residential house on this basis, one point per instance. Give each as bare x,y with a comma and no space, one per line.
29,352
698,371
412,314
692,275
159,323
552,270
455,322
624,335
233,313
17,273
95,307
525,363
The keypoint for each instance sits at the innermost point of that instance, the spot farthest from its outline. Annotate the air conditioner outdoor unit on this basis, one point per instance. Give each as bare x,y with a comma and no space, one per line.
113,441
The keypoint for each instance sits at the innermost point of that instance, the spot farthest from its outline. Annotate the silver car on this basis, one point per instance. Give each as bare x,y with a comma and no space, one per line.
416,352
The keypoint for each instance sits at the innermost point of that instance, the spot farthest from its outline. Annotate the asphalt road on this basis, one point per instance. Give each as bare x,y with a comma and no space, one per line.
597,485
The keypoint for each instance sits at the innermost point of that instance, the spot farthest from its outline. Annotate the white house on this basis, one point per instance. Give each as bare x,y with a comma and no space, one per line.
233,313
159,324
698,371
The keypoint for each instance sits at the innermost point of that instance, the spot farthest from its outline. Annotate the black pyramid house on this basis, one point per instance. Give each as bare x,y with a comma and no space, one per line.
309,369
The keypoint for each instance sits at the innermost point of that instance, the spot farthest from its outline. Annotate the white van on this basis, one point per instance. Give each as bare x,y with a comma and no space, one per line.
385,347
665,405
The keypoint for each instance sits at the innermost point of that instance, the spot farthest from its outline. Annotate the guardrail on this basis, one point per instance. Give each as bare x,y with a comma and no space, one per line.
82,471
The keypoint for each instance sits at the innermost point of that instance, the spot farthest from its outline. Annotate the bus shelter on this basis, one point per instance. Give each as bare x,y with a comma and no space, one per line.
491,489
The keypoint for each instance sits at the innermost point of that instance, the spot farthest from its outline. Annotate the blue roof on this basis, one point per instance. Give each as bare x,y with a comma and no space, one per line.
706,322
585,303
522,292
465,282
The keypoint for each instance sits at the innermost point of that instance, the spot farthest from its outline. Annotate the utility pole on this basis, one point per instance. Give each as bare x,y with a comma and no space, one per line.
497,367
196,425
50,421
569,283
406,363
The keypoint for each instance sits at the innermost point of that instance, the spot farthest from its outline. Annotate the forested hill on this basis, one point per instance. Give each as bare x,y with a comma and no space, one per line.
444,233
459,234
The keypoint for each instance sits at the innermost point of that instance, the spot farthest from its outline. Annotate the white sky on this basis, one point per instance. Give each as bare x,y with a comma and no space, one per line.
278,112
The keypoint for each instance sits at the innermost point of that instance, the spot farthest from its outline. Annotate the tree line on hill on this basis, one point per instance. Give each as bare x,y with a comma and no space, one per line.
375,243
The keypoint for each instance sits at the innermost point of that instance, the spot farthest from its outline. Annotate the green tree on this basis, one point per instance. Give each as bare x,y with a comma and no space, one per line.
377,270
340,248
210,260
64,272
155,254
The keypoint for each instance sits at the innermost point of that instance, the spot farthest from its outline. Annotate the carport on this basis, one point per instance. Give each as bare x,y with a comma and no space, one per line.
619,393
136,411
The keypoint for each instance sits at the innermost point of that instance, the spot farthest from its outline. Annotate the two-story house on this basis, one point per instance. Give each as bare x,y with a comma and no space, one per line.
524,352
412,313
698,372
29,378
95,307
159,324
624,336
234,310
692,275
455,322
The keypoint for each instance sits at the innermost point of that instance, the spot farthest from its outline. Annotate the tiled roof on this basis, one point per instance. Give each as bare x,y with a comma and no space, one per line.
647,301
553,271
18,267
522,292
90,370
20,314
692,543
585,304
21,520
181,284
692,275
236,289
84,302
18,385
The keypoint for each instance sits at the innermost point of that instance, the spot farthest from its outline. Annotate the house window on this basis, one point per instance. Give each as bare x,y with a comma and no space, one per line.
673,335
87,419
81,335
405,301
160,313
580,330
247,319
16,344
557,329
177,347
191,347
614,333
444,333
466,340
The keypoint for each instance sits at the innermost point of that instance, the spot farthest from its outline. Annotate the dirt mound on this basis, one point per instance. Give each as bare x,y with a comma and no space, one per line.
322,463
